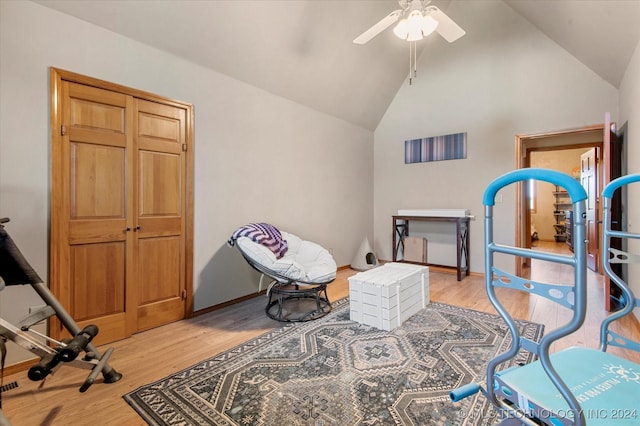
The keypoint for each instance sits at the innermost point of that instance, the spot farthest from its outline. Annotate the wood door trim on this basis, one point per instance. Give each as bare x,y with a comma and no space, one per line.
188,214
107,85
609,127
544,135
58,232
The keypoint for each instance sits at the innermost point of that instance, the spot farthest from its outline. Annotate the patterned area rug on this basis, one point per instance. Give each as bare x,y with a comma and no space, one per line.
333,371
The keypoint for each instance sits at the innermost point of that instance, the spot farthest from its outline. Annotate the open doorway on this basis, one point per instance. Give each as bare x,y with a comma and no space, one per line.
557,151
548,206
607,162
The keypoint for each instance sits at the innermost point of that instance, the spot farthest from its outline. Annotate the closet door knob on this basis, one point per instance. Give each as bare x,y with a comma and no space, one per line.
127,229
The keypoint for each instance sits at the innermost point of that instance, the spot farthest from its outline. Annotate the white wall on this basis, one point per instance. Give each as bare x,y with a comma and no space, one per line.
504,78
258,157
630,113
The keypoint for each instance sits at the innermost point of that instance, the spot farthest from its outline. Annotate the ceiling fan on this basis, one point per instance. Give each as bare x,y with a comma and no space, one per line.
419,19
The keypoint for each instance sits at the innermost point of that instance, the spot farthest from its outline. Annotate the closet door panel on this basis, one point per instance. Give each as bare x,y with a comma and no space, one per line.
98,283
160,191
97,164
160,139
94,162
97,181
159,289
160,127
98,280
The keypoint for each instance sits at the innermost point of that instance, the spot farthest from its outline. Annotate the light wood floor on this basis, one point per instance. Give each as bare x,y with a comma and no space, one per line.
154,354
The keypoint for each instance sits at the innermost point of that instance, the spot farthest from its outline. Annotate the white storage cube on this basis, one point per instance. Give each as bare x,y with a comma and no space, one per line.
384,297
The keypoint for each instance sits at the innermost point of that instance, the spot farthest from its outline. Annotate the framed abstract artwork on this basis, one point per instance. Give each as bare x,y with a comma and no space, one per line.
436,148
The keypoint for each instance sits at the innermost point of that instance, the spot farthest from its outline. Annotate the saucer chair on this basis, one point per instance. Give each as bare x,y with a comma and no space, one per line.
299,270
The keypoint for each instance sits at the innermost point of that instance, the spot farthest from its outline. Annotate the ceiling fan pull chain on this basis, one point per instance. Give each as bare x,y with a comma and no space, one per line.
412,61
410,75
412,58
415,60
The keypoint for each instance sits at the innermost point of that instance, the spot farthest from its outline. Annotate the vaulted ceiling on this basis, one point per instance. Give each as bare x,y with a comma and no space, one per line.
302,50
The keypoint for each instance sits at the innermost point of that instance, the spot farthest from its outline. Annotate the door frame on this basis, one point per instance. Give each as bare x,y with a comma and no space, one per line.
549,141
57,76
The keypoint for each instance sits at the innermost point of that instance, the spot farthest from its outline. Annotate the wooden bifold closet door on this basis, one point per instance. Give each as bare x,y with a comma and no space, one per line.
121,239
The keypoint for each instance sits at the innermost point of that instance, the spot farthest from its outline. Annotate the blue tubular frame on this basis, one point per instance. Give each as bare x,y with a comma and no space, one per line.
578,261
573,297
575,190
608,337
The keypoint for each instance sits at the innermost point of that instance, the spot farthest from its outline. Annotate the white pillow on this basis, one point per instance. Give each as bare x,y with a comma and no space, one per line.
317,262
256,252
304,260
262,255
293,242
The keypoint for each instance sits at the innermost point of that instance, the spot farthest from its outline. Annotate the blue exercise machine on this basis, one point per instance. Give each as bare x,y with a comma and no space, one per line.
574,386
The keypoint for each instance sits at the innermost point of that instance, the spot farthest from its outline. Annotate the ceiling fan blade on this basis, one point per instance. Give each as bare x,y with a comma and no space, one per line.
448,29
382,25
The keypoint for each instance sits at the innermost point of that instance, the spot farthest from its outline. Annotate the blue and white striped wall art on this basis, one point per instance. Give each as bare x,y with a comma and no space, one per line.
436,148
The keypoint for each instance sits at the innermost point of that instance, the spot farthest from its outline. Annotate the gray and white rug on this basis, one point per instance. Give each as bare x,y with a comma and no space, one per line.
333,371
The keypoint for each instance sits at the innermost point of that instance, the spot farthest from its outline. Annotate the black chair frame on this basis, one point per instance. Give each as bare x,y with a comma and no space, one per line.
283,291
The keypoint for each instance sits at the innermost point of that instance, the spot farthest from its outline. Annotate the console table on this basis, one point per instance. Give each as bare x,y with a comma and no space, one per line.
401,230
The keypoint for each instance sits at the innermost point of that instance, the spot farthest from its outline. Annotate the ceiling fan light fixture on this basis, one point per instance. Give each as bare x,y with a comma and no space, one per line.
414,36
415,26
402,29
429,25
